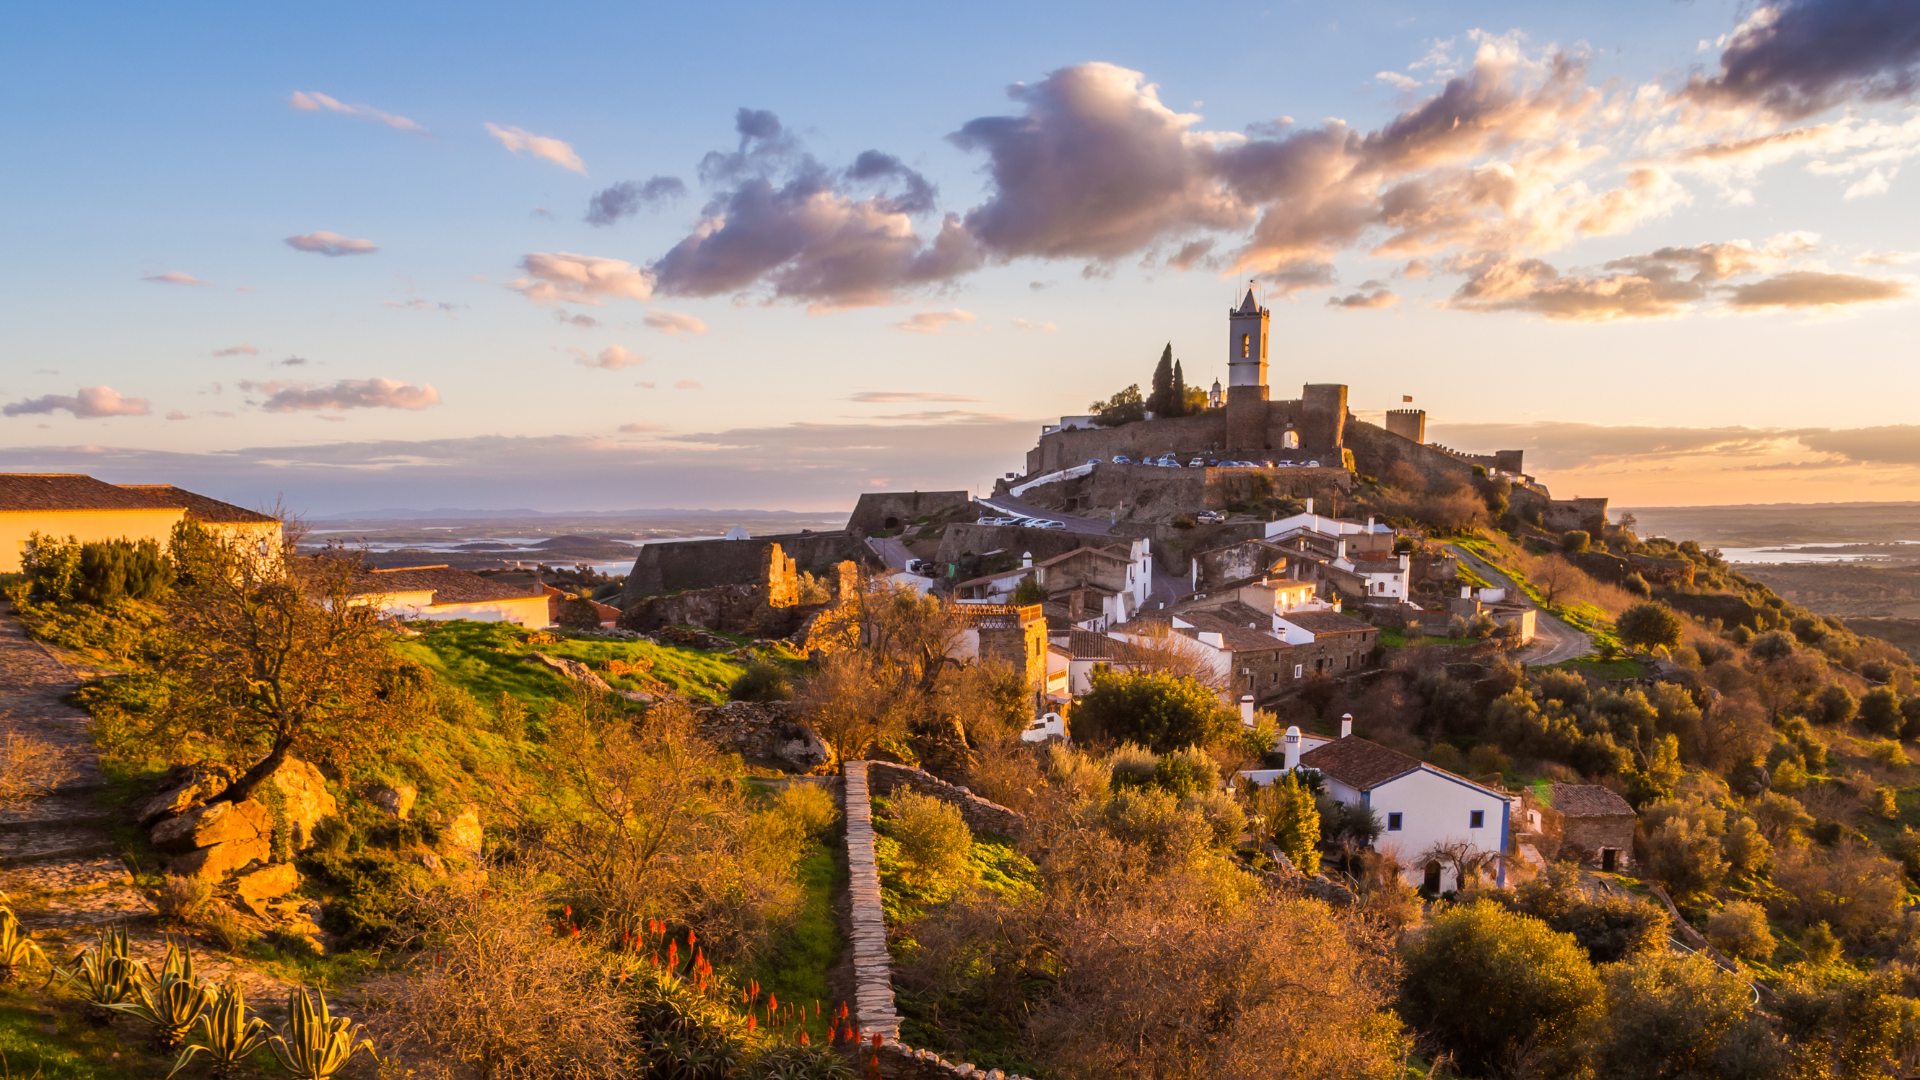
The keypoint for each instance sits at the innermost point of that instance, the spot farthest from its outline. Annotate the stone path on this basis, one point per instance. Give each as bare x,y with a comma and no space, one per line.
873,1010
57,865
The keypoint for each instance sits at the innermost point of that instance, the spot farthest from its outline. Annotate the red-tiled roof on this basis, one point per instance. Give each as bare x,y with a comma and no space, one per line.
449,586
200,507
70,491
1325,622
1359,764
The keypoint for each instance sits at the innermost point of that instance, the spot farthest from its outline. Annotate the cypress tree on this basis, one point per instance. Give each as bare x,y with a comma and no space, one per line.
1162,384
1179,396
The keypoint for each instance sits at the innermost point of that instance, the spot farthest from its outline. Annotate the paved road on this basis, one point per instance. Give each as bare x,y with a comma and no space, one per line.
1015,508
891,551
1553,640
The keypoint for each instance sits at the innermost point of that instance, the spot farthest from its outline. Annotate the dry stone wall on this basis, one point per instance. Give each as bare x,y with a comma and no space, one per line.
874,1013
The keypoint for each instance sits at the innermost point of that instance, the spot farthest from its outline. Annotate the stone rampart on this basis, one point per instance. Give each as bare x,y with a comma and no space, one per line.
884,511
677,565
982,816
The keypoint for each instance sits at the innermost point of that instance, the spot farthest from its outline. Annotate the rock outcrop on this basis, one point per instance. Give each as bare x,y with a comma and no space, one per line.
211,841
767,733
575,671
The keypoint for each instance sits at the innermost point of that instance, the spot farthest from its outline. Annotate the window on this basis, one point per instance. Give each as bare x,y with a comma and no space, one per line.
1299,670
1477,819
1393,822
1246,345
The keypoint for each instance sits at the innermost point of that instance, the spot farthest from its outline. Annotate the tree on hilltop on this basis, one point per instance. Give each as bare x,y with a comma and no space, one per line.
1124,407
1159,401
1177,400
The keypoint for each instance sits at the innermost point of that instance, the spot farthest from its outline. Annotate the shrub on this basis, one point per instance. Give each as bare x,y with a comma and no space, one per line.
1493,986
1888,752
1834,704
1820,944
1683,849
1221,813
1880,711
1883,805
1187,772
1290,821
935,843
1132,765
1681,1016
762,681
1157,710
181,898
1649,625
1740,929
809,806
1575,541
1029,592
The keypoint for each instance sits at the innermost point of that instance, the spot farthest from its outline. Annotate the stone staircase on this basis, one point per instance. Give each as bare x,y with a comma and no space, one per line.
57,865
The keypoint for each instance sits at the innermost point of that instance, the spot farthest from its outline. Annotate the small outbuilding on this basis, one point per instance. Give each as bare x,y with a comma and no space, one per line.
1596,825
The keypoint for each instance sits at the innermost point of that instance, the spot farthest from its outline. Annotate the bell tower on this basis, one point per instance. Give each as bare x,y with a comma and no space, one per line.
1247,346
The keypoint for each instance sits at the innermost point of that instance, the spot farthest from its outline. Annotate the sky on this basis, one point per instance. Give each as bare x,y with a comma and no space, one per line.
350,256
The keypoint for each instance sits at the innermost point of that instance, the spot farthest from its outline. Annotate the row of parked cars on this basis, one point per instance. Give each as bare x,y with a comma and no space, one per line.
1023,522
1168,461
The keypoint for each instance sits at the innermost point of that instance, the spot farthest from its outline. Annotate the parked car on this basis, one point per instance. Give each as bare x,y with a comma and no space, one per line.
1093,461
1122,459
1211,462
916,566
1313,464
1210,517
1049,525
1195,463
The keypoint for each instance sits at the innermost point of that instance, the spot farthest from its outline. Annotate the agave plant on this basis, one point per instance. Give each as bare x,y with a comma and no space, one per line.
786,1062
17,948
103,975
171,999
315,1045
227,1034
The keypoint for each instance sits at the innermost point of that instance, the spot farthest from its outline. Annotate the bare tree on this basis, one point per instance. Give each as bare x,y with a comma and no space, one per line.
1556,578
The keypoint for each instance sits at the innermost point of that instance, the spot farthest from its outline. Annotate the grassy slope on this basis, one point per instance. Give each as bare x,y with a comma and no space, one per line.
488,659
796,968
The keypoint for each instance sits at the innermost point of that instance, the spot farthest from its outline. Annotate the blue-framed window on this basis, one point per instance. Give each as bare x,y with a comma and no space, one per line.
1477,819
1393,822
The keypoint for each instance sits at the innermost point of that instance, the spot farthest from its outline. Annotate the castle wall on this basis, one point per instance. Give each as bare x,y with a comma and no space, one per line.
876,508
672,566
1376,450
1189,435
1247,423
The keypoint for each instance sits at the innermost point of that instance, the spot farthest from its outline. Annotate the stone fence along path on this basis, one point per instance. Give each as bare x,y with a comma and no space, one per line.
874,1013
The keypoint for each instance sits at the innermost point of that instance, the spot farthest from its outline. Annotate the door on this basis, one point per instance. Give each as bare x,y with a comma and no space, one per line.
1432,882
1607,859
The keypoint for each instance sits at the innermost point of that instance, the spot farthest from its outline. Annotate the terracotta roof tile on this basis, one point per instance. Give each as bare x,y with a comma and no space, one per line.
70,491
1359,764
449,586
1326,622
200,507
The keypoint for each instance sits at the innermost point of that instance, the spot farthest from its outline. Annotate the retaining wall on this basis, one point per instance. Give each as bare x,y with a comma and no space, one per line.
885,777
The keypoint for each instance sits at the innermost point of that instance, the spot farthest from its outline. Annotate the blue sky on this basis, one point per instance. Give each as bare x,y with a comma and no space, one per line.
1666,253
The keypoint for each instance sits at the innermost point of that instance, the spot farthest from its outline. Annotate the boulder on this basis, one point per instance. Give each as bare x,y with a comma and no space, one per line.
463,834
185,788
799,748
213,864
269,883
219,823
306,799
397,800
575,671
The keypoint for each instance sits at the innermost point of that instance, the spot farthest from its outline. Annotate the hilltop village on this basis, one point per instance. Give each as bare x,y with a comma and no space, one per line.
1234,737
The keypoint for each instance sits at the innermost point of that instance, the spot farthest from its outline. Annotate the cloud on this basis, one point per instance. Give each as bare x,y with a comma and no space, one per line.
1795,58
782,220
1026,326
580,279
177,415
175,277
1893,444
314,101
641,429
686,384
521,141
419,303
1378,298
672,322
294,361
894,397
629,196
283,396
1398,81
1555,445
89,403
930,322
1874,183
1809,288
1886,258
242,349
611,358
577,320
1531,285
331,244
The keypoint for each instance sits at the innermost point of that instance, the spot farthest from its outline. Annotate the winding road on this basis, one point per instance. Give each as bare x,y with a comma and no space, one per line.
1553,640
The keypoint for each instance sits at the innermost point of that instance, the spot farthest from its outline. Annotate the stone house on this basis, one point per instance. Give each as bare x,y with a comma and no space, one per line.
1094,587
1595,825
89,510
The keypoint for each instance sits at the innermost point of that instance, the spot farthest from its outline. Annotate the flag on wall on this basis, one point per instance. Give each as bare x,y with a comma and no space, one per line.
1406,397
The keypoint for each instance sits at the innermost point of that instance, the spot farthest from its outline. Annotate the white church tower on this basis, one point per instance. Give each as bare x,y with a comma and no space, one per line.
1247,344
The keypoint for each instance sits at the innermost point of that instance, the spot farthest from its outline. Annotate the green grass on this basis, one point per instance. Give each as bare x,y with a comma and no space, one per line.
796,968
42,1035
488,659
1620,668
1395,637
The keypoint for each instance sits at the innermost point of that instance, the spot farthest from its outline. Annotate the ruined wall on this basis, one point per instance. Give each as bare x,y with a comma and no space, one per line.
885,777
875,508
671,566
963,540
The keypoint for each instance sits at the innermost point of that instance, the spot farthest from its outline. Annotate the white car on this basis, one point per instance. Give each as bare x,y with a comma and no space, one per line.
1210,517
1313,464
1196,463
1048,525
1122,459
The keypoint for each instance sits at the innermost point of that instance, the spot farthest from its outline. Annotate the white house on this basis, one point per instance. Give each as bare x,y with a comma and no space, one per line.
1098,587
1419,805
440,592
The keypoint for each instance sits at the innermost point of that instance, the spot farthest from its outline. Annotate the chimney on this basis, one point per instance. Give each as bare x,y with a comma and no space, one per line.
1369,522
1292,741
1026,559
1466,592
1246,709
1346,725
1343,549
1309,505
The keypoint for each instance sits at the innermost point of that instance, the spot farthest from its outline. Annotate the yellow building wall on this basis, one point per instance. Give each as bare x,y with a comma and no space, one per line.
87,526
